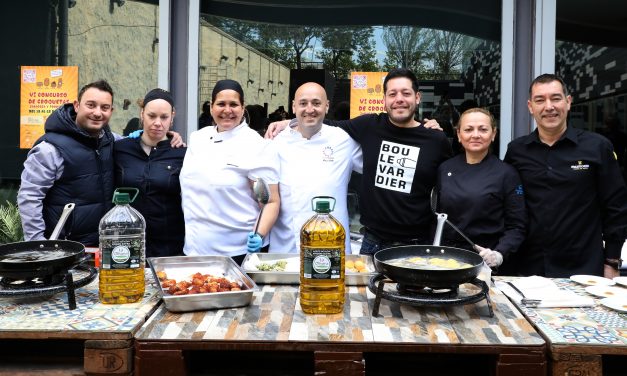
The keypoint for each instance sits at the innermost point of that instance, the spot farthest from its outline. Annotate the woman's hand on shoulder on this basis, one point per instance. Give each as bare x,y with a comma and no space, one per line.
177,140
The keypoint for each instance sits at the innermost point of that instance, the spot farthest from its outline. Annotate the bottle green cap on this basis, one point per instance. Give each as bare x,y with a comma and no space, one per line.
120,198
123,196
323,206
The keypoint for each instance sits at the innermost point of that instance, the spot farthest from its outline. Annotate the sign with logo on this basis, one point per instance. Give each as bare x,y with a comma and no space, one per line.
396,166
43,90
367,93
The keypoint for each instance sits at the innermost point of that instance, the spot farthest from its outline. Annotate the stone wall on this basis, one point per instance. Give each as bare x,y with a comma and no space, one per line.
120,46
264,80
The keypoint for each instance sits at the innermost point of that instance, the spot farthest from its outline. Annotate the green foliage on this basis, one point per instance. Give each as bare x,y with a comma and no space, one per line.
347,49
10,224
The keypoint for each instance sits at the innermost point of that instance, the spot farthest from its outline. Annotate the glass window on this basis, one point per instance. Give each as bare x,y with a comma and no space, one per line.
595,76
456,71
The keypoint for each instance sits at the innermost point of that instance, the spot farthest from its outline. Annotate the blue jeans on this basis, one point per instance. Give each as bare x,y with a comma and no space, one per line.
371,244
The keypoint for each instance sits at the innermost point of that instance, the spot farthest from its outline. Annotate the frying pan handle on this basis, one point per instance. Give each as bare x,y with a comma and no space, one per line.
438,230
67,209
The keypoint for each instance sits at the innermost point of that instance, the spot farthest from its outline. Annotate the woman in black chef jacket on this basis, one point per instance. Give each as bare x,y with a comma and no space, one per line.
150,164
482,195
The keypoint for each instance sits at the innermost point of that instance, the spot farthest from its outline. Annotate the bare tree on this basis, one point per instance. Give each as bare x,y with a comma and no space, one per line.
407,47
450,50
341,44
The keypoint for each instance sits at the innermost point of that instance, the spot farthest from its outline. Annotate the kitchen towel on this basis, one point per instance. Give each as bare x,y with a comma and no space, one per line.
544,290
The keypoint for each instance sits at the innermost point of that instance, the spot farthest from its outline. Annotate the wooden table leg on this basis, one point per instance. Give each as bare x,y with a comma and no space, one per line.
576,364
113,357
160,362
339,363
521,364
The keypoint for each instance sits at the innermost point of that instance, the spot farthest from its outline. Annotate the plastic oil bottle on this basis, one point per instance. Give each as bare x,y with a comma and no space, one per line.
122,243
322,249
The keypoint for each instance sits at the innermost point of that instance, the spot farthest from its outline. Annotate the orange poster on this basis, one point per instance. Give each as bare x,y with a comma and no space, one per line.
43,90
367,92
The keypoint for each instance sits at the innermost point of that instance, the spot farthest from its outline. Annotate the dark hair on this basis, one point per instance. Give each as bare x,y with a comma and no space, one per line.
158,94
206,107
228,85
101,85
401,72
548,78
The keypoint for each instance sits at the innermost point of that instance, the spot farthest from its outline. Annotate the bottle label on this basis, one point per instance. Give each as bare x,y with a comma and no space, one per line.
122,253
322,263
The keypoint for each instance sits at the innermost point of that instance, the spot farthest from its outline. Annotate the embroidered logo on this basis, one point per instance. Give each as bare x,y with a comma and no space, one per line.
580,166
519,189
327,154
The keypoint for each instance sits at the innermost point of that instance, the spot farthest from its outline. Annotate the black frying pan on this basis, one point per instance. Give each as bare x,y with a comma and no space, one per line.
42,258
434,278
39,258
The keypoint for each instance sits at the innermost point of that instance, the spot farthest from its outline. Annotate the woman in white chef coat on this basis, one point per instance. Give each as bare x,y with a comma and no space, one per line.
220,166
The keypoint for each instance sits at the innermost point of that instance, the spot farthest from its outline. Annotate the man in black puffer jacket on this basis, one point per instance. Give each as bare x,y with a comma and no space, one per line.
71,162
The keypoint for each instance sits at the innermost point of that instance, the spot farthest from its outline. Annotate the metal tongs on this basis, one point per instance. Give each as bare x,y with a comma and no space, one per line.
524,301
443,217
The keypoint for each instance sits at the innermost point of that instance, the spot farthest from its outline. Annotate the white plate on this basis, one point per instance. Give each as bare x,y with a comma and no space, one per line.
621,280
607,291
616,303
591,280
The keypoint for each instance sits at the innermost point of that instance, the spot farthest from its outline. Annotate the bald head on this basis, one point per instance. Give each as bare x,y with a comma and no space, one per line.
310,106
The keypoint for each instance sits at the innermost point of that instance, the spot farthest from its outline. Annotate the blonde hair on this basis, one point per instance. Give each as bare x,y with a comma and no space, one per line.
480,110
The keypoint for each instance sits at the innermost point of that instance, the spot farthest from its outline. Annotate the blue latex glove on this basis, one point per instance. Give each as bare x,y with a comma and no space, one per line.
136,134
254,242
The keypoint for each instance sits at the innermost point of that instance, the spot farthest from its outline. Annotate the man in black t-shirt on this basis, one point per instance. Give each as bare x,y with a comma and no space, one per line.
401,158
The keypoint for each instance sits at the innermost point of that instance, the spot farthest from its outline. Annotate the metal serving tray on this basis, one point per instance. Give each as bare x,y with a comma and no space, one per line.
293,277
181,267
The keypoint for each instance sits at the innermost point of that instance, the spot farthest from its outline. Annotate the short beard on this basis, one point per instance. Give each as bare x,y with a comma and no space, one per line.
401,120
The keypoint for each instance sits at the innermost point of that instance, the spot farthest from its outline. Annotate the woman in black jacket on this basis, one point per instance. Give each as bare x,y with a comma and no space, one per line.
150,164
481,194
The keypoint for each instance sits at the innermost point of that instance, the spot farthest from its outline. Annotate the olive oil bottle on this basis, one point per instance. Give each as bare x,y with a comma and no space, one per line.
122,244
322,250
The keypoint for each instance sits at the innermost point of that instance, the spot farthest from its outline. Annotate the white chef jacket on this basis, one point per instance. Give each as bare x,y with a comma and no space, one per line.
320,166
219,206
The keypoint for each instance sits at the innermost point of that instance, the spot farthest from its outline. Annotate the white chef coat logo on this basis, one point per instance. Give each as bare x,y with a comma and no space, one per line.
327,154
396,166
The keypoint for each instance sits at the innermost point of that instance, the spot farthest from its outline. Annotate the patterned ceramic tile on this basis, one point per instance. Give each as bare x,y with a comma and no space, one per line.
579,325
53,314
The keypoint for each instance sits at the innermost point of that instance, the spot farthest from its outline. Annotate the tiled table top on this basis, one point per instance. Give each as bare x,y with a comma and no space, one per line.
275,315
51,318
590,326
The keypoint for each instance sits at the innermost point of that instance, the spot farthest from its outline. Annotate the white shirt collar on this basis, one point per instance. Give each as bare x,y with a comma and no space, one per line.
226,135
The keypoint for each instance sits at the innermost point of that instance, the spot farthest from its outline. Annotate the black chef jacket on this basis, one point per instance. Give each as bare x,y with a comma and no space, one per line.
576,198
159,200
485,200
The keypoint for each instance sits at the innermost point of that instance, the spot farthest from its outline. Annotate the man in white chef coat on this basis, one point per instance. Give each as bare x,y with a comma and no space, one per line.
315,160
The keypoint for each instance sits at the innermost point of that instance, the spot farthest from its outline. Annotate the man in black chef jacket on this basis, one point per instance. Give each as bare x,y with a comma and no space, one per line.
576,197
